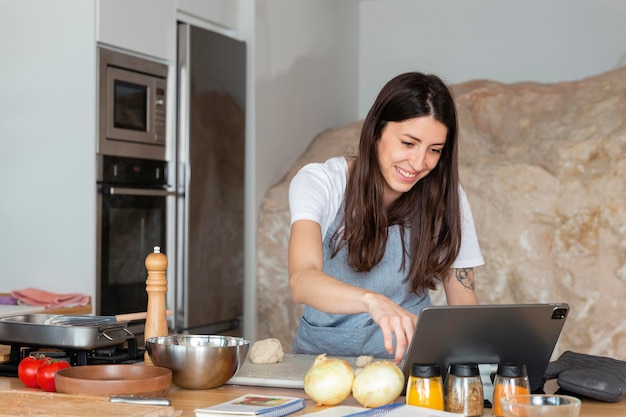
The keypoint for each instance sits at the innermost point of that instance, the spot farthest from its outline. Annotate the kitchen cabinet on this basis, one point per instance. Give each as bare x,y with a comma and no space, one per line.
148,28
140,26
225,13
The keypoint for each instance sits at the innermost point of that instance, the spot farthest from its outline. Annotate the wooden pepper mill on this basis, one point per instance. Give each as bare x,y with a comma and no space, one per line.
156,287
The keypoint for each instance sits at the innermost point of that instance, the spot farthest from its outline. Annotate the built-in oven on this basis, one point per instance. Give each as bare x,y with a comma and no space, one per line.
135,201
133,195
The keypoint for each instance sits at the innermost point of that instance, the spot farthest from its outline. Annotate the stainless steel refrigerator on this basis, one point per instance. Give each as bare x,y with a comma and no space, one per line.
211,78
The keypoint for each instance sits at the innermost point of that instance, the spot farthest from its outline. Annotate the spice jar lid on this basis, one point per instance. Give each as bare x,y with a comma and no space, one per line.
425,370
464,369
512,369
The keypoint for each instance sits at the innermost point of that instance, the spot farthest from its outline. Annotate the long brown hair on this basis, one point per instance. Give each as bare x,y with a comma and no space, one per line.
430,211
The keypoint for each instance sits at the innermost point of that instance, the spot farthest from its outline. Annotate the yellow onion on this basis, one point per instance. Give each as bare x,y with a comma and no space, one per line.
329,380
377,384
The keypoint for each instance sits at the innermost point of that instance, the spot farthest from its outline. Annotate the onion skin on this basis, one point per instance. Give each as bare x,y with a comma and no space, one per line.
378,384
329,380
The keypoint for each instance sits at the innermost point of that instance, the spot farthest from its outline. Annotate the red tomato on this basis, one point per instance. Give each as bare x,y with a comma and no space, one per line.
27,370
45,374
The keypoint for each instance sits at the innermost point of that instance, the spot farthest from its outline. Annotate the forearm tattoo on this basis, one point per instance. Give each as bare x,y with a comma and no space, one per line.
465,278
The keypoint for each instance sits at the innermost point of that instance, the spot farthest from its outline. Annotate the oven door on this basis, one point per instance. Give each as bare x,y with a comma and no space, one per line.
132,223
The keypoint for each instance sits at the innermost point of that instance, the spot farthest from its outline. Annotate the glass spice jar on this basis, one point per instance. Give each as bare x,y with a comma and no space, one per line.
464,390
511,379
425,386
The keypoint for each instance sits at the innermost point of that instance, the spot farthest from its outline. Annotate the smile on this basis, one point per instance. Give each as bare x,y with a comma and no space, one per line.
406,174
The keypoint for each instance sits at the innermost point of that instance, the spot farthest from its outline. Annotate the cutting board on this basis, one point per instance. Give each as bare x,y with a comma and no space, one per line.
14,310
286,374
39,403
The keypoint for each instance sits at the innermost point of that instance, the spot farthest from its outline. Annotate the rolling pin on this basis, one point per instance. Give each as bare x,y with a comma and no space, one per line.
137,316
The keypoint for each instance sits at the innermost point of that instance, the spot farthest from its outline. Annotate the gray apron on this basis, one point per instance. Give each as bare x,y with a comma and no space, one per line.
357,334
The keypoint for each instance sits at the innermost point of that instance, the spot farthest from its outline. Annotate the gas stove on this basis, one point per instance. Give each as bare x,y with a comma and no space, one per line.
80,340
126,352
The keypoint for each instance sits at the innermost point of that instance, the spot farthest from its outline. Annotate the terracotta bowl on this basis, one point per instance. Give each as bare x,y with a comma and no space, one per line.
107,380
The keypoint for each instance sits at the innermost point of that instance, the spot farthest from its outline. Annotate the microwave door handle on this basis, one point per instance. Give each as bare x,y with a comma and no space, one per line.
140,192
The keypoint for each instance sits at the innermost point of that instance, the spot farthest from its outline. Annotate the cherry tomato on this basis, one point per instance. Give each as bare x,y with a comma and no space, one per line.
27,369
45,374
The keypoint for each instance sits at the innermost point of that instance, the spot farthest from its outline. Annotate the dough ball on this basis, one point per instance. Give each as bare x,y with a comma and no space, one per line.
266,351
363,361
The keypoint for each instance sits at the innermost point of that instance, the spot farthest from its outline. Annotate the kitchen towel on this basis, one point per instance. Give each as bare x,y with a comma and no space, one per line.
37,297
595,377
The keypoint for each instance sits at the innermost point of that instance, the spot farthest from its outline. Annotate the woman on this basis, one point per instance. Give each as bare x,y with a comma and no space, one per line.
372,234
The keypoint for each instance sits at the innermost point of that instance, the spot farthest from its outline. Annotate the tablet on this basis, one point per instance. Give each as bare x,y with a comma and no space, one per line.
488,335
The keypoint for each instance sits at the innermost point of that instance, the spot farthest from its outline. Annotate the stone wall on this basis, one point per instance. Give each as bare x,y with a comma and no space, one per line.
544,166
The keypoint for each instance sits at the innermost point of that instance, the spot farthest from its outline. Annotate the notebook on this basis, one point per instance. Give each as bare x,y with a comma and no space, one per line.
254,405
488,335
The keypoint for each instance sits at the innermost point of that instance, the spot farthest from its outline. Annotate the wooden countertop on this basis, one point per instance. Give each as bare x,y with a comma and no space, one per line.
187,400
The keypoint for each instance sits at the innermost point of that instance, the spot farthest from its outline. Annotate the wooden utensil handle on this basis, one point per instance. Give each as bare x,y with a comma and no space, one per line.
137,316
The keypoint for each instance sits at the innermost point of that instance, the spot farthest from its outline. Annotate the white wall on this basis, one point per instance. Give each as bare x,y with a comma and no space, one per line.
303,79
503,40
306,78
47,160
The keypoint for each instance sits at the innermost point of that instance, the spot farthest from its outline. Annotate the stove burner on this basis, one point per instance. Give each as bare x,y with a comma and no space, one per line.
127,352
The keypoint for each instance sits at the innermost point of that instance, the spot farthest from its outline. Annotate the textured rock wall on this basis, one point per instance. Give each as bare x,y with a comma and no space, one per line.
544,166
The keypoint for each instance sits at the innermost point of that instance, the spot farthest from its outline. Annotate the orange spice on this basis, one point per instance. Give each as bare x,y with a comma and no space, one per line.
425,392
505,390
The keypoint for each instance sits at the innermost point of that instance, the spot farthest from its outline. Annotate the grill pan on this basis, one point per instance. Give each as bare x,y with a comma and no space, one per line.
63,331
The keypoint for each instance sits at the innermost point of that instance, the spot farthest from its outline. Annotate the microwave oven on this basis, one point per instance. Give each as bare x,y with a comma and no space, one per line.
132,106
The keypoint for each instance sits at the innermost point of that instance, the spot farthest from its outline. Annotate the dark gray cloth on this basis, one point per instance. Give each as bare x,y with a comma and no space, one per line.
596,377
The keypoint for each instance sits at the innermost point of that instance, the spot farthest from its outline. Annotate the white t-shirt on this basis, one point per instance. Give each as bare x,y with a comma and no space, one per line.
316,193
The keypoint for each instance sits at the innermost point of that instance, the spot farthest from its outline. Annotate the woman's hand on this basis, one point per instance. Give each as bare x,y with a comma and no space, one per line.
393,320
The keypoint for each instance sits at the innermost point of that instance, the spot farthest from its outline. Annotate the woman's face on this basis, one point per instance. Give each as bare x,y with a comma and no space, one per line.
407,152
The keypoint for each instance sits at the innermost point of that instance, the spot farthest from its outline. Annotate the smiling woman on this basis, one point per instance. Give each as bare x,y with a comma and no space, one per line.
371,234
529,178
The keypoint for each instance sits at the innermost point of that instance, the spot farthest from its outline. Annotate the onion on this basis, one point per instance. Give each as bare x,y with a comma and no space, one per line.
377,384
329,380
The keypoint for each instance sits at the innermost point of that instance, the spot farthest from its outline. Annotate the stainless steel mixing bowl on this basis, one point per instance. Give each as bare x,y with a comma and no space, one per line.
198,361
